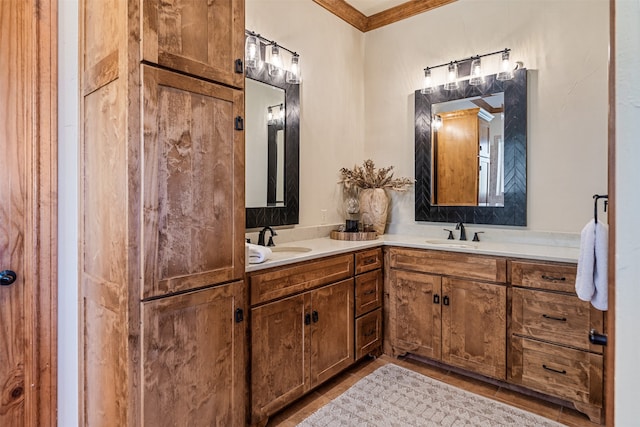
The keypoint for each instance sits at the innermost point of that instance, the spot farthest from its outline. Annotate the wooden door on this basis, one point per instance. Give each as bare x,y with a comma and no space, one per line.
332,334
193,191
201,38
474,326
27,213
417,320
280,342
193,359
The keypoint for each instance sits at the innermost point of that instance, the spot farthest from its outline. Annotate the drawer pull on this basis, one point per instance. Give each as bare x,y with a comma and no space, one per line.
559,319
369,333
372,291
315,317
553,279
307,319
370,261
557,371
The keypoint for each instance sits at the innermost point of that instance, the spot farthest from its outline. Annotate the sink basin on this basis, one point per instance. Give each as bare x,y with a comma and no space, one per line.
452,243
291,249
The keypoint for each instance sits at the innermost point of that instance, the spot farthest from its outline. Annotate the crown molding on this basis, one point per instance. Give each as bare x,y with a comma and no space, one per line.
357,19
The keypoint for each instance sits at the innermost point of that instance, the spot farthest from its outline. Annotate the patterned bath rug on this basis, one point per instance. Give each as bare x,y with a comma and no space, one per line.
393,396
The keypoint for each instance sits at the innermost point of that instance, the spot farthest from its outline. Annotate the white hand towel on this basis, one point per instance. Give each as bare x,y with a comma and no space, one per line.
591,280
258,253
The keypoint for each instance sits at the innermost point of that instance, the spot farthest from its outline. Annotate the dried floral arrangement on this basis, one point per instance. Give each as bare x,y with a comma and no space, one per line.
366,176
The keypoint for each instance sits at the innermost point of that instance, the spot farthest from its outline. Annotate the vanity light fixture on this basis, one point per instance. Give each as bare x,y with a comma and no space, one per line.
256,46
437,122
471,68
275,114
452,77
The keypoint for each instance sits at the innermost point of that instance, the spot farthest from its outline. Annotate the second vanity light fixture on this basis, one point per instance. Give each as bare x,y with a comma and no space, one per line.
476,73
253,48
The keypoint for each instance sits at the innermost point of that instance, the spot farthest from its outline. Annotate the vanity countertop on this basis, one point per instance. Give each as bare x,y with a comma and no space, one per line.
321,247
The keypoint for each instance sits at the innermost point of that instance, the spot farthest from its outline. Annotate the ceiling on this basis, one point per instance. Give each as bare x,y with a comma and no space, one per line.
370,7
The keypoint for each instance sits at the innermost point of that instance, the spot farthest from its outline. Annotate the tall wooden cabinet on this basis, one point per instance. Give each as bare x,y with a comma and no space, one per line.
162,213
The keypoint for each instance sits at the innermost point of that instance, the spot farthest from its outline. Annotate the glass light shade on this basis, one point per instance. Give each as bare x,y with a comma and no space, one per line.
427,86
281,113
477,77
293,76
506,71
275,61
437,122
452,77
251,52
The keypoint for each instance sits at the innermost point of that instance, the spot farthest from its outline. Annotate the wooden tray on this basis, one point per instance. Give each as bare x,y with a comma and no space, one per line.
353,235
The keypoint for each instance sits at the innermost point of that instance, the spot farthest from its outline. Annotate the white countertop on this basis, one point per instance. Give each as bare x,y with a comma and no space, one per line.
321,247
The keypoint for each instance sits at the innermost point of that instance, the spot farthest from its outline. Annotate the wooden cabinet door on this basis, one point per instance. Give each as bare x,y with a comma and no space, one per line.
202,38
474,326
415,312
280,342
193,191
332,336
193,359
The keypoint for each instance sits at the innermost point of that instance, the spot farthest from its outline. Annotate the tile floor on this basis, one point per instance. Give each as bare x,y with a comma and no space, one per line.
304,407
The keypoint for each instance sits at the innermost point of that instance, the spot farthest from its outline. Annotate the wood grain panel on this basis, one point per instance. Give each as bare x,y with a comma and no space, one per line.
416,317
101,30
368,292
449,264
368,334
280,364
474,326
193,365
368,260
199,38
284,281
332,334
562,319
541,275
192,237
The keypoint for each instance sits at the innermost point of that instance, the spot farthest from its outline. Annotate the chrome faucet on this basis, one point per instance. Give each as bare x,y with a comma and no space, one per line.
261,236
463,233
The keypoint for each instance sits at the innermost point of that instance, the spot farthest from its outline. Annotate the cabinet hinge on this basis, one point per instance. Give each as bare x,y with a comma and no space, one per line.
239,66
239,315
239,123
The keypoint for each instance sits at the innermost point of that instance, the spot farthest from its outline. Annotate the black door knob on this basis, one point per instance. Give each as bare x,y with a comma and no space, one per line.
7,277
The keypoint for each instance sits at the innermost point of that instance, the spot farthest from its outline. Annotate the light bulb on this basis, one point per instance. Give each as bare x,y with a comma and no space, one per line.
506,72
251,52
275,61
477,78
437,122
293,76
452,77
427,86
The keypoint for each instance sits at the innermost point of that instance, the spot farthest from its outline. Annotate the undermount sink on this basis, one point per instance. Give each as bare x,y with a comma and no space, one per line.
293,249
452,243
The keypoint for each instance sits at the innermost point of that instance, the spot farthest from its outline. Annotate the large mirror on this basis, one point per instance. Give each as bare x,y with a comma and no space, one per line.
272,121
470,153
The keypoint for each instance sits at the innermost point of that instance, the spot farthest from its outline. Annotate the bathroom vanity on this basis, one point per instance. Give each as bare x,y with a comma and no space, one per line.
506,313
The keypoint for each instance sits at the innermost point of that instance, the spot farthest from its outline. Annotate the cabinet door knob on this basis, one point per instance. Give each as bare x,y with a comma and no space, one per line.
436,299
596,338
445,300
7,277
307,319
314,316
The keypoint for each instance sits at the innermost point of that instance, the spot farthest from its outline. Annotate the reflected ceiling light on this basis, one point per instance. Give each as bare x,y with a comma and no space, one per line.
452,77
476,71
253,51
437,122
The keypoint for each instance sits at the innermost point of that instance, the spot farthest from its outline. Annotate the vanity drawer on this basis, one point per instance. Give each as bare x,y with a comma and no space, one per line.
368,260
280,282
368,333
551,276
462,265
559,318
368,292
559,371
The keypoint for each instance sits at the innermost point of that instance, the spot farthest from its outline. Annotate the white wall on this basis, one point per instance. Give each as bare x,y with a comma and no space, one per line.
68,213
331,95
564,45
627,202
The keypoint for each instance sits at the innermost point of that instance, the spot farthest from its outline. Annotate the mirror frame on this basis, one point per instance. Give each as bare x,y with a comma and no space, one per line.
289,213
514,211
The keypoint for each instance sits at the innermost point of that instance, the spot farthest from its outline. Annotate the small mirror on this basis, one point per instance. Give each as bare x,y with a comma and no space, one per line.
272,122
479,182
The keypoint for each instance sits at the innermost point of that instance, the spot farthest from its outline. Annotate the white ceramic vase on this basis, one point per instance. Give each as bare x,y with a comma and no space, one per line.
374,207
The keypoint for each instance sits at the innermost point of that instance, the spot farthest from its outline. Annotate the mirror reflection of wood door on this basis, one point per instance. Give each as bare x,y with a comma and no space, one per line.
456,158
27,213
